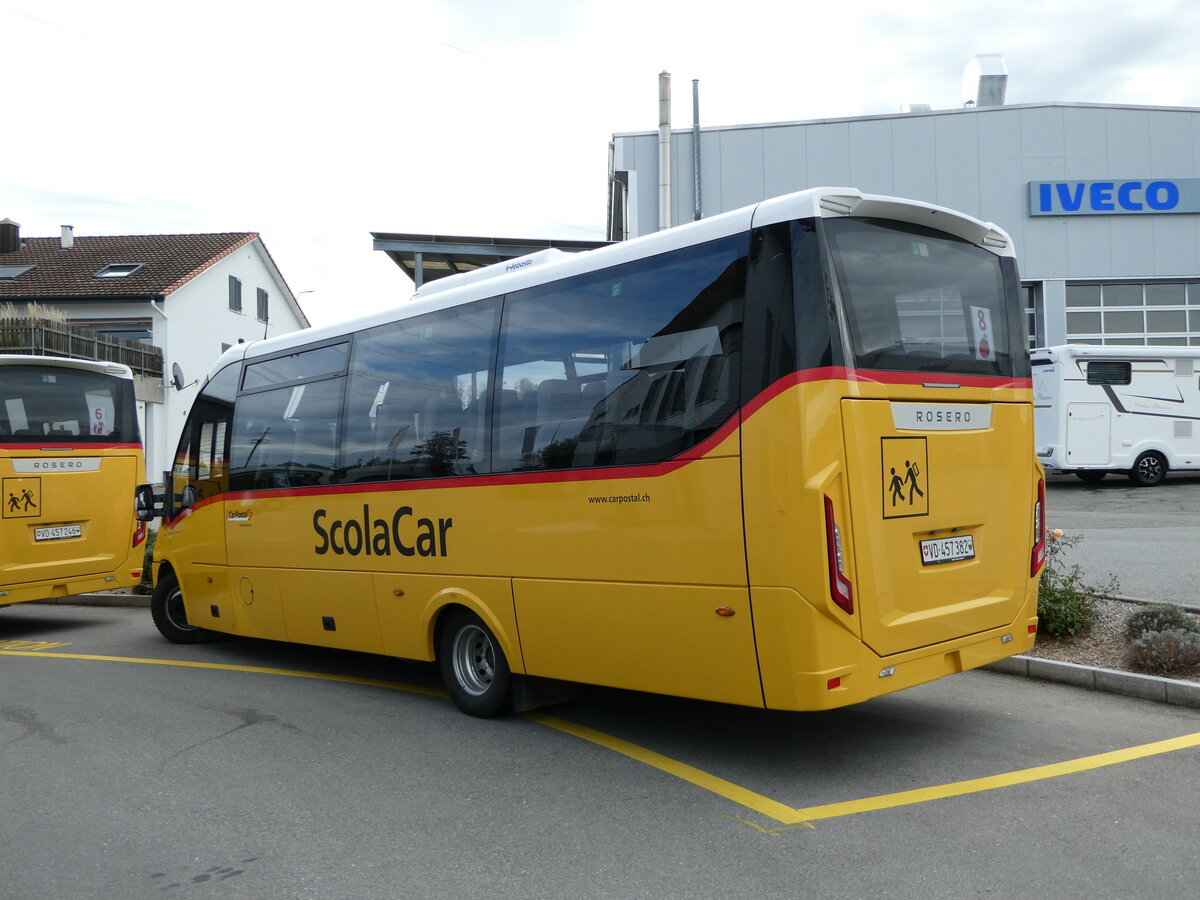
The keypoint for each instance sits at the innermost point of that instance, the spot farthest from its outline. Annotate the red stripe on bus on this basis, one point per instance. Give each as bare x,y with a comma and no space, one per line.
647,470
37,445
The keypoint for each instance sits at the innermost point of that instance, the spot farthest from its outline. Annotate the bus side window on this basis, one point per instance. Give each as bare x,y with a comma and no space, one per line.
643,361
202,460
416,402
287,436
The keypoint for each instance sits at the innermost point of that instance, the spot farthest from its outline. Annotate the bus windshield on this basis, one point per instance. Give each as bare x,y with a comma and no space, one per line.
918,300
55,403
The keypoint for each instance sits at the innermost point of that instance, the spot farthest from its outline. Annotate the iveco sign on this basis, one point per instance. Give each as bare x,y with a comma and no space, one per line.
1110,198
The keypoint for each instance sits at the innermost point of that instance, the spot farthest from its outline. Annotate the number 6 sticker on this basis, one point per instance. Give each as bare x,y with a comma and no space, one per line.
981,323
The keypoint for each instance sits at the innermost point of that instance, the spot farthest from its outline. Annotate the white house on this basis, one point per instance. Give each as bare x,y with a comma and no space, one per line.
192,295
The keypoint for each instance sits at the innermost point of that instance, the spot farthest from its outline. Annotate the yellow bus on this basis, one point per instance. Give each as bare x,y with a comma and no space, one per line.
70,458
782,457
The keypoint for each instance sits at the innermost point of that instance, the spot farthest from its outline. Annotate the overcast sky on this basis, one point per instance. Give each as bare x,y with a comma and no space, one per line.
316,124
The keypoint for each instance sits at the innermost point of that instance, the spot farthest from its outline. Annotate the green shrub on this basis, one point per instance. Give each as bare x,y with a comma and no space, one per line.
1158,617
1172,652
1066,604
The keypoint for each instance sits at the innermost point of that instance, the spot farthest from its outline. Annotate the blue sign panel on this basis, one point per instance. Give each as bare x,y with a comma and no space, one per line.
1114,198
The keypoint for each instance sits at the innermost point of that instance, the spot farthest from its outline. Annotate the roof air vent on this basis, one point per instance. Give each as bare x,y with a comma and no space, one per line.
985,80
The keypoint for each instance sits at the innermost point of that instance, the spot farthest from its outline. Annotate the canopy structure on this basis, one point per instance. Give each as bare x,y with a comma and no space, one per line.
426,257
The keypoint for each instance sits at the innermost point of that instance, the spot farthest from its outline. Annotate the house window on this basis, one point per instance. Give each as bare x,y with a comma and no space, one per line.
263,309
118,270
235,294
10,273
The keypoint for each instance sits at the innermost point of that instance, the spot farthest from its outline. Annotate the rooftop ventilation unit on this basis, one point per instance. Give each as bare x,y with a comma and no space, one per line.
985,80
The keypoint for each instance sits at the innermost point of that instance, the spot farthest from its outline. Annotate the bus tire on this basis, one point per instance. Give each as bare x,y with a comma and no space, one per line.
474,668
170,618
1149,469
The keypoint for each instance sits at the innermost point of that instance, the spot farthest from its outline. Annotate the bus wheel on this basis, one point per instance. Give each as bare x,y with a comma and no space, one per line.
166,608
1149,470
473,666
1091,476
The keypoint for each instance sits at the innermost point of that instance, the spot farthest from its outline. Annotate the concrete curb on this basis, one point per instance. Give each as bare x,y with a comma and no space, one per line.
1131,684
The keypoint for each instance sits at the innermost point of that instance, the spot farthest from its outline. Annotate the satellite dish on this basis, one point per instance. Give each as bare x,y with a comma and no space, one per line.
177,376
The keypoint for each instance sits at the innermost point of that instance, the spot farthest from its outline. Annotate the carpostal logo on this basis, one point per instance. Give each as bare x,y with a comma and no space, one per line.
240,515
402,532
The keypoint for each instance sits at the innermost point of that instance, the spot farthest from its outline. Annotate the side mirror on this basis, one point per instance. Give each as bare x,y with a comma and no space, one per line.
146,503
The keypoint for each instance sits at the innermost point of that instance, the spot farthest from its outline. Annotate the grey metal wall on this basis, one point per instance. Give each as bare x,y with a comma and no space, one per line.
977,161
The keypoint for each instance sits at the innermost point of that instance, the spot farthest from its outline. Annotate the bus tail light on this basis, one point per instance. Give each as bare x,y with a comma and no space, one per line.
139,533
839,585
1038,557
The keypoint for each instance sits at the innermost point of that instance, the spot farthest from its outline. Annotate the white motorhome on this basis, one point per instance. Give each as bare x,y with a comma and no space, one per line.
1132,410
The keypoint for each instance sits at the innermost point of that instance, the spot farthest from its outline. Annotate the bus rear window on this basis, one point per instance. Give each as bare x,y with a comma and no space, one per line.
919,300
51,403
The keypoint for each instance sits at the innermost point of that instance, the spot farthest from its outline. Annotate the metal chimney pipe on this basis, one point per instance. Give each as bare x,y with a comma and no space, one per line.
696,147
664,150
67,238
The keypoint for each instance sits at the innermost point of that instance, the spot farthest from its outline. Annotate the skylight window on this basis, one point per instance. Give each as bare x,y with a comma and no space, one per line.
9,273
118,270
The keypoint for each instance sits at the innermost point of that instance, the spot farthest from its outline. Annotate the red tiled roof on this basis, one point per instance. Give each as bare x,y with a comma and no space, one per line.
168,262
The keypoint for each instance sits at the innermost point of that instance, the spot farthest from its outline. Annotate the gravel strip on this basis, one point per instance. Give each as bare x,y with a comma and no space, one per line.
1103,647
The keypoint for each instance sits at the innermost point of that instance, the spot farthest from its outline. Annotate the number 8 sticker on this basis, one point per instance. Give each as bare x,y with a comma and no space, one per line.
981,322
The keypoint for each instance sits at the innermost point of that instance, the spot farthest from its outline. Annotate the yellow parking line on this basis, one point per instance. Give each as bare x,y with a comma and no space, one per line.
765,806
719,786
992,782
259,670
787,815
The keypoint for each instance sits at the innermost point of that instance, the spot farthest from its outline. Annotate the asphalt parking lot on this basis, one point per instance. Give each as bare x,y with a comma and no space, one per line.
1146,537
133,767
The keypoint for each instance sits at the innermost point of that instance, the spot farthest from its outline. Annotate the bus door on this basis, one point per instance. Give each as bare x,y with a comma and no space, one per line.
285,440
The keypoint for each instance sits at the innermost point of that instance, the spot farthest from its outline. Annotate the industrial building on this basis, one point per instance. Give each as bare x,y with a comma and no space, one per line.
1102,201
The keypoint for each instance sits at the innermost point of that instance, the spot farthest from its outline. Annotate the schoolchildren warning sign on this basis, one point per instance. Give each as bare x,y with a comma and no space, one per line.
22,498
905,476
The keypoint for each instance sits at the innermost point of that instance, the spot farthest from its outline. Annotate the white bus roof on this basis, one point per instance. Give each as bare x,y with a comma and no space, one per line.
552,264
62,362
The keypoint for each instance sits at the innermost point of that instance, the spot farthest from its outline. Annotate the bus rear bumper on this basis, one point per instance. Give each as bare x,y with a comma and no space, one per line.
812,663
51,589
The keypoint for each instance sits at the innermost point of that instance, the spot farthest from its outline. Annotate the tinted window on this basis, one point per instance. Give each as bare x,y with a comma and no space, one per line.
634,364
918,300
287,436
39,404
318,363
417,404
1109,372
